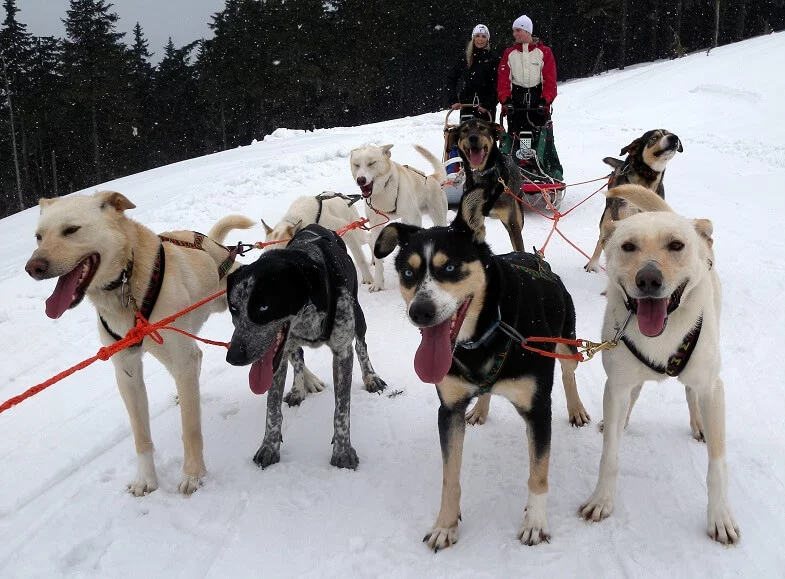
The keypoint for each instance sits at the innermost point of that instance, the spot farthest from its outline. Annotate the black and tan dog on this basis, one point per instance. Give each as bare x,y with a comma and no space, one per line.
472,307
304,294
484,165
645,164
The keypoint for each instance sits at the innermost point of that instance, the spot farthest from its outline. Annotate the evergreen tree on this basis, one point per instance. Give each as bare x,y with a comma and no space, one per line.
98,68
141,87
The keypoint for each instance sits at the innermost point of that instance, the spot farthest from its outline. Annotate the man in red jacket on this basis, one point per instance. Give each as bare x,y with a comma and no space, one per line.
527,80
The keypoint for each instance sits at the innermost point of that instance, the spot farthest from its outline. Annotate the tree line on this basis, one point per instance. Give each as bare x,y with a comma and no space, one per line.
80,110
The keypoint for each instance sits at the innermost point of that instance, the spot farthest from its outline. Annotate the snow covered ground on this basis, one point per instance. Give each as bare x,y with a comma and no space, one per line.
67,454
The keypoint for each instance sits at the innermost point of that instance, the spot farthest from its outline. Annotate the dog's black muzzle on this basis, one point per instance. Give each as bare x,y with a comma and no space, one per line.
422,313
237,355
649,281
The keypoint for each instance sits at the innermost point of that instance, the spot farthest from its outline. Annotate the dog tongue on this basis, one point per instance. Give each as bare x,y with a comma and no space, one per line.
476,157
434,356
651,316
260,378
63,296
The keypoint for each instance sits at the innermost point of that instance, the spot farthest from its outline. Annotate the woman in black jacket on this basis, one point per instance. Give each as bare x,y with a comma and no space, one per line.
477,69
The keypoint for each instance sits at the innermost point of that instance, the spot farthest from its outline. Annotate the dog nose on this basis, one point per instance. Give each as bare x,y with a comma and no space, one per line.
37,267
422,312
649,279
236,355
473,140
361,181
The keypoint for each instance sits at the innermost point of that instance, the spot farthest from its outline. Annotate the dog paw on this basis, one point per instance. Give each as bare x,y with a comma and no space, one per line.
266,456
367,280
592,267
312,384
376,287
345,458
534,531
373,383
722,526
189,484
441,537
599,506
579,417
294,397
143,486
479,412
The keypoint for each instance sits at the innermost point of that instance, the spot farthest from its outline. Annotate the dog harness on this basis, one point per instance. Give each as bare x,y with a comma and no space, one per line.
678,361
326,196
488,380
157,277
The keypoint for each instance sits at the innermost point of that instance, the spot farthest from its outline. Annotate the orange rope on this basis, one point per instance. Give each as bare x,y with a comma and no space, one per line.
144,328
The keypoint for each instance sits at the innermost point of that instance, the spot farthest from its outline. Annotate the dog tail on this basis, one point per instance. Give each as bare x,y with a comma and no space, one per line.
639,196
439,172
219,231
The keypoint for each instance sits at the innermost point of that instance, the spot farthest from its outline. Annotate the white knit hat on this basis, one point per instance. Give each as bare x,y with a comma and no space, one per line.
524,23
481,29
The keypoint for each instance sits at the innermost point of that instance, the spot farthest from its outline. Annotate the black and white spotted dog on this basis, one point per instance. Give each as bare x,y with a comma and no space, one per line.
305,294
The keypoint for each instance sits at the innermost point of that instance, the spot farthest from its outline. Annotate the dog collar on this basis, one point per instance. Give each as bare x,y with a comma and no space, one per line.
124,276
677,361
645,171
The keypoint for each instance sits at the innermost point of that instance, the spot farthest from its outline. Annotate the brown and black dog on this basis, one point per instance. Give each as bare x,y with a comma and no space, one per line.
645,164
485,165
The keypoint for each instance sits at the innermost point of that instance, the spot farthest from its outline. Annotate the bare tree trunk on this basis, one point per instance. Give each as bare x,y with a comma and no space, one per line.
96,147
653,30
741,20
715,38
598,63
676,49
13,138
223,125
54,173
623,39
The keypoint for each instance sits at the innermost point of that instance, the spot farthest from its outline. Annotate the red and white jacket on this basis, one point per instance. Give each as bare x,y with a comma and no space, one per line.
527,65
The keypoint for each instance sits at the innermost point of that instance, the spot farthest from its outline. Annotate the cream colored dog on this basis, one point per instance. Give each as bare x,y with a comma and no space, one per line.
95,250
398,191
330,210
663,306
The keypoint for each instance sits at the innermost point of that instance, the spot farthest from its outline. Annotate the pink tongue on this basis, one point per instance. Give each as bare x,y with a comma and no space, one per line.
651,316
434,356
260,378
476,157
62,297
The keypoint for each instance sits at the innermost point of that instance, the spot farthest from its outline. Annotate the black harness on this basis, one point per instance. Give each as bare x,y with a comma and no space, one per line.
678,361
326,196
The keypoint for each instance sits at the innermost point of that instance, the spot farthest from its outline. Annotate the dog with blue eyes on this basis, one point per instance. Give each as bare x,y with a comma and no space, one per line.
472,309
302,295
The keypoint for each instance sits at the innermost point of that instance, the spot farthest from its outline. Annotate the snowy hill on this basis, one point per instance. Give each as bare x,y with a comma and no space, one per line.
67,454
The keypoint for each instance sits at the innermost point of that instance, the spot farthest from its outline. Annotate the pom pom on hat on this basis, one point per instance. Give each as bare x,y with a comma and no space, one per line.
481,29
524,23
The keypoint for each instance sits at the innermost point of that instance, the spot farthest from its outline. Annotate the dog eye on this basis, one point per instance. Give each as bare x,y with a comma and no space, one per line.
408,273
675,246
38,237
372,163
449,268
264,308
628,247
71,230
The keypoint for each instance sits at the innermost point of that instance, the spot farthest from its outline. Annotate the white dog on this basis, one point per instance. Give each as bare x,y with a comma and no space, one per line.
331,210
94,250
398,191
664,300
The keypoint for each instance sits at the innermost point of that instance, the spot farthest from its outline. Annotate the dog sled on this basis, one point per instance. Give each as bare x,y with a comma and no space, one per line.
534,152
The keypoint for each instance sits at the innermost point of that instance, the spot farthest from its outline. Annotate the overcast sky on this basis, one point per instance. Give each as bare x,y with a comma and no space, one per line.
183,20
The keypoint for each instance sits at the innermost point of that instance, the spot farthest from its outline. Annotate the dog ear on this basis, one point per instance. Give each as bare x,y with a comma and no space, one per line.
613,162
470,218
267,229
392,236
705,229
386,150
117,201
633,148
294,228
44,202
